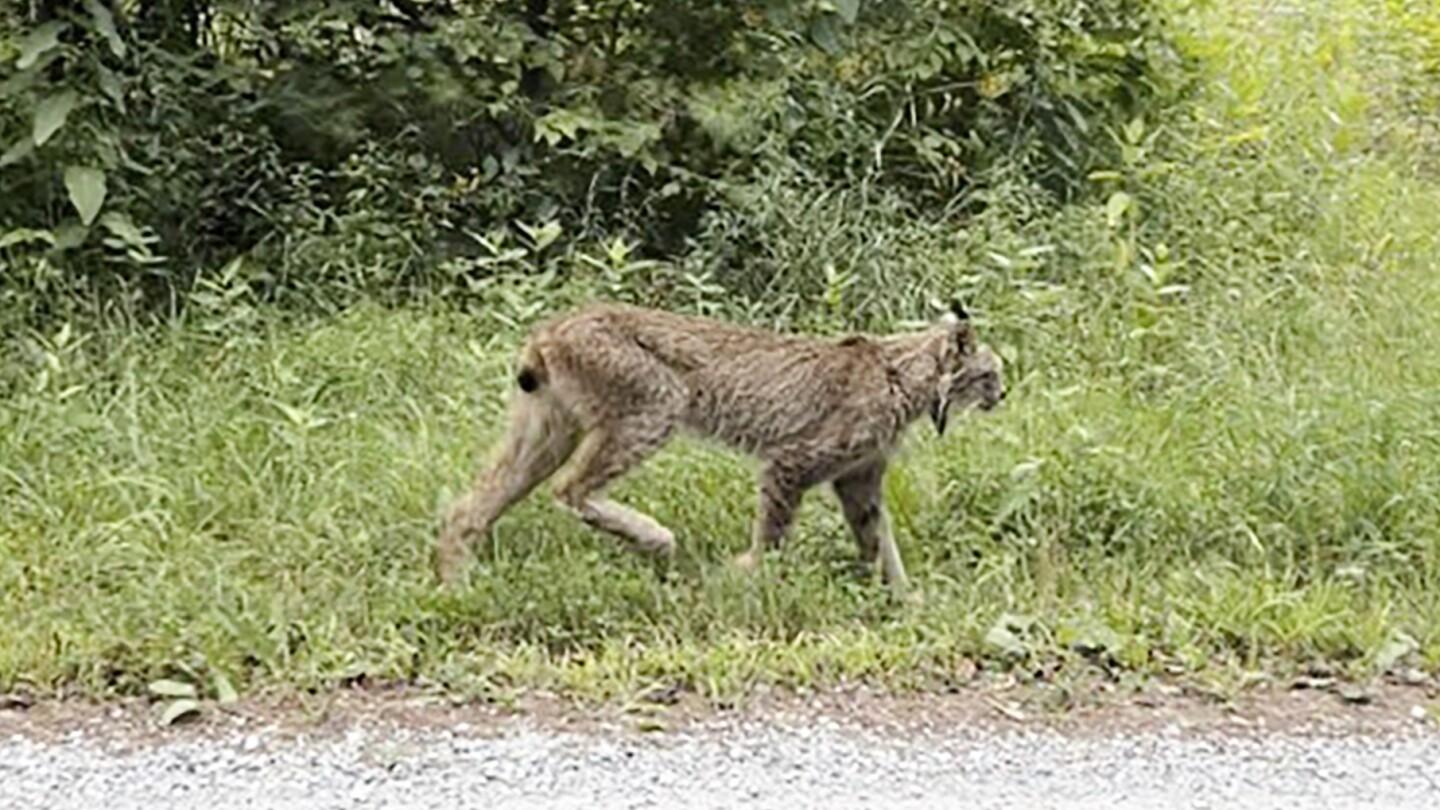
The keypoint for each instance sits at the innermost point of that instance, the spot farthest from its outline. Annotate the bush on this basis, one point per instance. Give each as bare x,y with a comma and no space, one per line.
351,151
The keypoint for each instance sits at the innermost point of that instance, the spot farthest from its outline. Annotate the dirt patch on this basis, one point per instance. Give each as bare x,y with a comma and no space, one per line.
1094,708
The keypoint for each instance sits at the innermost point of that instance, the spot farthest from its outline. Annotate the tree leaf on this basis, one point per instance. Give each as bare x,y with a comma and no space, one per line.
177,709
51,113
105,22
849,10
168,688
1135,130
39,41
20,235
1115,208
87,190
543,235
822,32
110,86
18,152
21,80
120,224
70,235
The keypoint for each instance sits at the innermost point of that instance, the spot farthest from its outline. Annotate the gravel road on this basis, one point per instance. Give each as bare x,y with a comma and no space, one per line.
771,764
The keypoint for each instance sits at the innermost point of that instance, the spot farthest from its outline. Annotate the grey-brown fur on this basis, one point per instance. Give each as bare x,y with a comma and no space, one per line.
604,387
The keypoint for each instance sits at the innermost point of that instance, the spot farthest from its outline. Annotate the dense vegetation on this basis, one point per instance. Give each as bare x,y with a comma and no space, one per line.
340,150
262,267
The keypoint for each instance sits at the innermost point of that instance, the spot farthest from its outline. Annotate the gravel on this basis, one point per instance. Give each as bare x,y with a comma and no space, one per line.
752,764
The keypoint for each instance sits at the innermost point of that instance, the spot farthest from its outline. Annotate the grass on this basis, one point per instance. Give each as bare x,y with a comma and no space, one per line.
1240,475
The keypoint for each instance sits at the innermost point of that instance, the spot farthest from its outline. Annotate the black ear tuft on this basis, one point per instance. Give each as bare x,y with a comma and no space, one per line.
959,309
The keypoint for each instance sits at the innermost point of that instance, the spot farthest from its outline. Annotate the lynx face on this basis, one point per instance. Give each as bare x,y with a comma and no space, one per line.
980,382
975,376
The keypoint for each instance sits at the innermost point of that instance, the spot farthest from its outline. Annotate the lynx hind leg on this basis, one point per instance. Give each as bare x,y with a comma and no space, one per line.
605,454
862,499
541,436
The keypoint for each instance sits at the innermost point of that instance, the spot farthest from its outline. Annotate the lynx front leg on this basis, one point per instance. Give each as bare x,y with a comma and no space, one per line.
780,495
604,455
862,499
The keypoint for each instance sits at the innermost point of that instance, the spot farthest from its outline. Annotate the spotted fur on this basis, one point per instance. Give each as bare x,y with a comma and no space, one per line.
602,388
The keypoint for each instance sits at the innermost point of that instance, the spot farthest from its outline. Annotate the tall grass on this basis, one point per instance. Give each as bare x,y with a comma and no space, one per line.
1220,452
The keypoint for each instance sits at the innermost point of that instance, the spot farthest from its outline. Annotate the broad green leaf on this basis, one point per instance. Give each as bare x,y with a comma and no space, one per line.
822,32
120,224
51,113
70,235
110,86
1115,208
87,190
224,690
849,10
1004,640
177,709
21,235
39,41
1135,130
18,152
232,268
105,23
634,137
1006,635
1089,636
1399,646
21,80
543,235
168,688
558,125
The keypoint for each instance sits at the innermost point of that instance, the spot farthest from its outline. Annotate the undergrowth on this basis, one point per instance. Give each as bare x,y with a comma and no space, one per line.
1219,454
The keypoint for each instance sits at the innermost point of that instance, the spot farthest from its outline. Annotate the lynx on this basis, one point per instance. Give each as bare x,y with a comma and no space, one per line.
605,386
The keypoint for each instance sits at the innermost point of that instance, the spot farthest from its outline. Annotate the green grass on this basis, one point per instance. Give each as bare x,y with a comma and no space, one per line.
1244,475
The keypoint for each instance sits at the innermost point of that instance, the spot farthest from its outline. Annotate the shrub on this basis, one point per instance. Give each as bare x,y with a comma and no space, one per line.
350,150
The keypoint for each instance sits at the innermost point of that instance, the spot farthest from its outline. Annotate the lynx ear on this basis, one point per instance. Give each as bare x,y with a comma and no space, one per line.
960,330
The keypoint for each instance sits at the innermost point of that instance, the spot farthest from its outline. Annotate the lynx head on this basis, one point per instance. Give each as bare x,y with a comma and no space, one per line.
971,375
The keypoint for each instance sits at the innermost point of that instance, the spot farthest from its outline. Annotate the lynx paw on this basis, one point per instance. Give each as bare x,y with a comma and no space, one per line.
658,541
449,567
748,562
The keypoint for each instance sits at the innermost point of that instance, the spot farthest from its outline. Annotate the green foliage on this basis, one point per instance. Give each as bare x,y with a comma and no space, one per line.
351,150
1218,316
